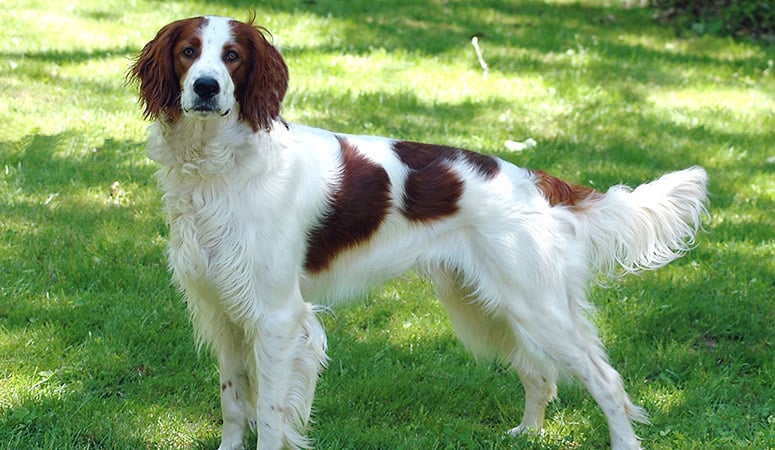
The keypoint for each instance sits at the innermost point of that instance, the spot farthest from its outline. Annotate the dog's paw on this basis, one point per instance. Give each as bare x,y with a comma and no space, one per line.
231,447
526,429
231,443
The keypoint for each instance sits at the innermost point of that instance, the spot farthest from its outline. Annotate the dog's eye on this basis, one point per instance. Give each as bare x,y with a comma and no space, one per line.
231,56
189,52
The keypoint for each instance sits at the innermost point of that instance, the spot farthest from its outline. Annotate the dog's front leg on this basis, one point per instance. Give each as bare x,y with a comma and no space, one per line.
290,352
238,388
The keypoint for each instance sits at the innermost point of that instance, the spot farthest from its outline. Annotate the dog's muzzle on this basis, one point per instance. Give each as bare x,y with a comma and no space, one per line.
207,90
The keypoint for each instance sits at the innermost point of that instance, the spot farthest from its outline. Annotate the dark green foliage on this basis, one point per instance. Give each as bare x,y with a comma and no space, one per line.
749,18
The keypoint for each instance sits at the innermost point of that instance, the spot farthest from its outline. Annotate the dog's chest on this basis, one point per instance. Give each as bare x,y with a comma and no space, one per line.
207,241
233,241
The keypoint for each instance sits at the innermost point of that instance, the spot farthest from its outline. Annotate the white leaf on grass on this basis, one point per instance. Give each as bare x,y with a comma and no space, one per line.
516,146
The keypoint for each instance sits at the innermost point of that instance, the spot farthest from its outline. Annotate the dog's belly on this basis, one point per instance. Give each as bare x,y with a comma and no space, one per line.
397,247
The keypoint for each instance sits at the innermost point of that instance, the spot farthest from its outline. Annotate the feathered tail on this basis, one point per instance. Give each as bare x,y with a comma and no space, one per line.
647,227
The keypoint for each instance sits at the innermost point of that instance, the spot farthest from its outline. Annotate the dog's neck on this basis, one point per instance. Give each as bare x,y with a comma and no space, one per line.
195,144
212,147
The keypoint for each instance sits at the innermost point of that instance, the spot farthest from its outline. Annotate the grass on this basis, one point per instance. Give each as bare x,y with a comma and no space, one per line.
95,347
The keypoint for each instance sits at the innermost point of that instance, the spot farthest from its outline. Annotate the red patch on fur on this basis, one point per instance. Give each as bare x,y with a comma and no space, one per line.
261,79
160,66
417,156
357,209
432,187
260,75
559,192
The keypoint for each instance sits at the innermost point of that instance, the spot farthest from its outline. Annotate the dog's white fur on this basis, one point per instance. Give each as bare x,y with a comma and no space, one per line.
510,268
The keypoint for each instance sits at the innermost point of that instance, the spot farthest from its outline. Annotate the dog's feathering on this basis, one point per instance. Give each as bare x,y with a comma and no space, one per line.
269,220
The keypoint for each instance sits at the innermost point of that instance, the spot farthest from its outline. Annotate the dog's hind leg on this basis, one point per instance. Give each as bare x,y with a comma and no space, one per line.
490,336
566,336
481,333
540,382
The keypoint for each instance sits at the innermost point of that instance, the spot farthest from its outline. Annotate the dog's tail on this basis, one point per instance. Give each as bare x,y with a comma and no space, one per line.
641,228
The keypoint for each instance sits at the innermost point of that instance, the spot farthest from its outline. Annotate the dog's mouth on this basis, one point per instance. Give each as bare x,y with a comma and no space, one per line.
206,109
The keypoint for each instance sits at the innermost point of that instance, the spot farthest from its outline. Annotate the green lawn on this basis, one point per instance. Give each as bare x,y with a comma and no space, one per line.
96,351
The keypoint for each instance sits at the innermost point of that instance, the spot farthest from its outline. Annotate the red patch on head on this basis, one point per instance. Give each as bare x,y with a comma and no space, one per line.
161,65
261,79
559,192
357,208
432,187
259,73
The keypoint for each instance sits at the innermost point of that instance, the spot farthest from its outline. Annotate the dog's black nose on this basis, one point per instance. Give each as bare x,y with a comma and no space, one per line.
206,87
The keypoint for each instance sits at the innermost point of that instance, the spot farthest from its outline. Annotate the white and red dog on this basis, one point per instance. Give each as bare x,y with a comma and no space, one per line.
268,218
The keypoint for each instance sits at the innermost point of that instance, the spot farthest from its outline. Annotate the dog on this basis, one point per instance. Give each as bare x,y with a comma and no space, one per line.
269,220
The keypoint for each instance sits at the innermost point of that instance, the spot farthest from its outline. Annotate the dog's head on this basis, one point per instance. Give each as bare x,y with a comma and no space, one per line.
206,67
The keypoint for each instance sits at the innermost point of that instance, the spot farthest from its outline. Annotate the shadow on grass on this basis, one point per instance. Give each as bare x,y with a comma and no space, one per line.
58,56
95,254
434,28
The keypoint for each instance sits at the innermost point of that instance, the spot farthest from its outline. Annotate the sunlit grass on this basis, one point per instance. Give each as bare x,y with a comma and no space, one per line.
95,346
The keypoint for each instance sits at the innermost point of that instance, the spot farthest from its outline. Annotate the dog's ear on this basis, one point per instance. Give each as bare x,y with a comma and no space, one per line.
154,70
261,88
